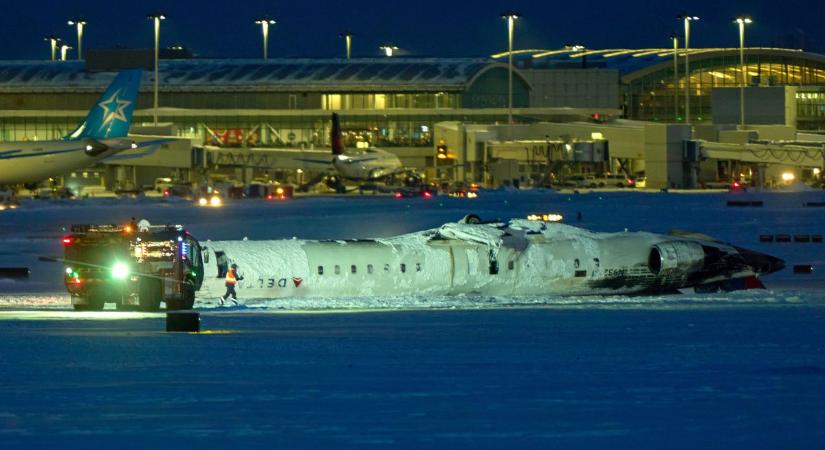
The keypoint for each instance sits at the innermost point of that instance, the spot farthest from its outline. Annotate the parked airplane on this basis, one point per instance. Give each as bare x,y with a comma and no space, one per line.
100,136
371,164
516,257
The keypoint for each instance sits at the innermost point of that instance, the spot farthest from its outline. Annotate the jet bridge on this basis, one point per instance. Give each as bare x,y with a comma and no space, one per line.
790,153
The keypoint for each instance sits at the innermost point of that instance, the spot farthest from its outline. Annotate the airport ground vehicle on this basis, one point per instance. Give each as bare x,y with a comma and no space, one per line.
615,180
135,267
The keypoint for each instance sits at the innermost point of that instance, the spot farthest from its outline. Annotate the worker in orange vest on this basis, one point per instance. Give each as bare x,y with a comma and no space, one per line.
231,280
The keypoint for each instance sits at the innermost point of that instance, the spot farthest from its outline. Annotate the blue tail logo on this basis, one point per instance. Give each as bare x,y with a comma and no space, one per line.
111,115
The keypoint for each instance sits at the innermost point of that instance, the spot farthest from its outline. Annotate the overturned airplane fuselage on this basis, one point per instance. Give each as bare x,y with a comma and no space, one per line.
519,257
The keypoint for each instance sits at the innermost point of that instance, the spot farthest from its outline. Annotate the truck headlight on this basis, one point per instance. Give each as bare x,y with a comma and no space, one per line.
120,271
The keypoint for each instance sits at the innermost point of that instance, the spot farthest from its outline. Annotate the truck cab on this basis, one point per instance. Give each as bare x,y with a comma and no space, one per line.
134,269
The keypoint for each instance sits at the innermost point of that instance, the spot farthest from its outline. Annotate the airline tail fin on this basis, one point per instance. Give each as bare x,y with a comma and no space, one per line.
111,116
335,135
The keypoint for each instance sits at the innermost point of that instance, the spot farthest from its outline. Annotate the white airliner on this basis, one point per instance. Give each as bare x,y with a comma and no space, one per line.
517,257
371,164
100,136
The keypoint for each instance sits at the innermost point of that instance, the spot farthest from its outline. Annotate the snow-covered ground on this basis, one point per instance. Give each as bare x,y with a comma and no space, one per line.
738,370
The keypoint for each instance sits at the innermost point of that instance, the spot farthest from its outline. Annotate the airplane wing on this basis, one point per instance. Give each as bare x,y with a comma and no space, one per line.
314,161
153,147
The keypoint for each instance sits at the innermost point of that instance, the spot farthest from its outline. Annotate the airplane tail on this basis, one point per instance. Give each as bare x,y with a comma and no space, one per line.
111,116
335,135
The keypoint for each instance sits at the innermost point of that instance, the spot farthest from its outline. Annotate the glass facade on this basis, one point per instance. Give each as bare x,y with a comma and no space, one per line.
427,100
810,110
651,97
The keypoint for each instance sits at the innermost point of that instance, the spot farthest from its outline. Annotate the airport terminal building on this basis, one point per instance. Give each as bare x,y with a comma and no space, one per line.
234,108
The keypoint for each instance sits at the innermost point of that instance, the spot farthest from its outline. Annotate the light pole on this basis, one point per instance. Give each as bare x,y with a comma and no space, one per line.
742,21
348,40
156,17
511,17
265,22
687,20
79,23
53,41
64,50
388,49
675,38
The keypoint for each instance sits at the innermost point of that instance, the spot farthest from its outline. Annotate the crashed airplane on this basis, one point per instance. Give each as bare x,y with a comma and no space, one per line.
501,258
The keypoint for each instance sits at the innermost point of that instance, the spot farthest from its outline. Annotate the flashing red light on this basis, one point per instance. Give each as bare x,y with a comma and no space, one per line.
596,116
398,195
269,197
631,182
736,185
68,240
76,280
427,194
166,192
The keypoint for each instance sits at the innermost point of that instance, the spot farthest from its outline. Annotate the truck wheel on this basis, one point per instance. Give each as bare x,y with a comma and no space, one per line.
150,293
186,302
188,296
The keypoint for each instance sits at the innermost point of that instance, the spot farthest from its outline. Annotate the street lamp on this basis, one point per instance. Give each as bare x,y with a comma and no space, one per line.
265,22
156,17
53,41
687,20
742,21
511,17
79,23
675,38
64,50
388,49
348,40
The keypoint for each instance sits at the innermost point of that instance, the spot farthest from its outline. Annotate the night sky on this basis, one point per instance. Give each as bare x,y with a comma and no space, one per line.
310,28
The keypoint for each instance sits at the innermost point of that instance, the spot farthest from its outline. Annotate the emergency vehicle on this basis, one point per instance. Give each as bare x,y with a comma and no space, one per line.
136,268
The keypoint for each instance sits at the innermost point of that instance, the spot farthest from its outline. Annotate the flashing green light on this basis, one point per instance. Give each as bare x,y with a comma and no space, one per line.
120,271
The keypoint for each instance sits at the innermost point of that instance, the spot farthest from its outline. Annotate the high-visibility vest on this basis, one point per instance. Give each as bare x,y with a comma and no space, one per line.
230,277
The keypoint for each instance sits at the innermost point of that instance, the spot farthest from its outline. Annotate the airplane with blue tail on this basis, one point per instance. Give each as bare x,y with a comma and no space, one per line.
102,134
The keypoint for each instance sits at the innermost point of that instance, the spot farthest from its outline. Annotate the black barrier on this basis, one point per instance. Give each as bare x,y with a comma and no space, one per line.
745,203
15,273
803,268
815,204
802,238
183,321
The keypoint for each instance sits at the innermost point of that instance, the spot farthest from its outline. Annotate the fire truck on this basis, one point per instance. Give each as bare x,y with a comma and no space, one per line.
134,267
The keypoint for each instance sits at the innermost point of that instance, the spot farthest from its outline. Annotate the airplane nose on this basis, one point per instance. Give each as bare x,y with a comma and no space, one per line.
761,263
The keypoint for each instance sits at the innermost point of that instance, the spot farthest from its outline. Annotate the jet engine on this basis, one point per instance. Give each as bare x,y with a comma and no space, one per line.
676,259
94,148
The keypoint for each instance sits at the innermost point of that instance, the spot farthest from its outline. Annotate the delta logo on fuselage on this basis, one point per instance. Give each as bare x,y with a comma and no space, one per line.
271,283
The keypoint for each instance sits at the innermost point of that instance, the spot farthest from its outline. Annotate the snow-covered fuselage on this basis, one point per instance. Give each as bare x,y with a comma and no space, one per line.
515,258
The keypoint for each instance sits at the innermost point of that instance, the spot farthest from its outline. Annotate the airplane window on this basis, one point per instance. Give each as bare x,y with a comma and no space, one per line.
320,270
386,267
576,263
403,268
418,267
596,262
353,268
205,255
369,269
337,270
511,265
